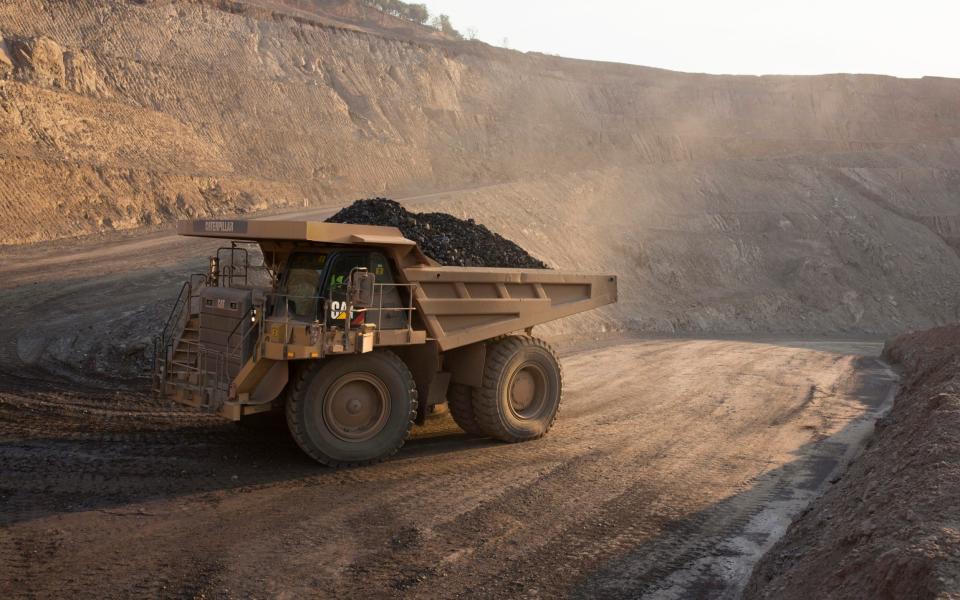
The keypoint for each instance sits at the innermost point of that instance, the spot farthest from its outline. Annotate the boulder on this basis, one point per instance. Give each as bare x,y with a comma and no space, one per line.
39,59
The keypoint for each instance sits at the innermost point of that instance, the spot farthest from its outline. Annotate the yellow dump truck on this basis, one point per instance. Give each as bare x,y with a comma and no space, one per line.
356,335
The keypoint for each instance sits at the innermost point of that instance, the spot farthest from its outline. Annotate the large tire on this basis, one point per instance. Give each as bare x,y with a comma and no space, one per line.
460,402
522,385
352,410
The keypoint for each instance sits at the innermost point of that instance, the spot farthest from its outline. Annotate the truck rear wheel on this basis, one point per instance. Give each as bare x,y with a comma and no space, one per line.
460,402
354,410
522,384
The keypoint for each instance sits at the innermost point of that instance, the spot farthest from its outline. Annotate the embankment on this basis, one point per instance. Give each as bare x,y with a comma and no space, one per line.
890,528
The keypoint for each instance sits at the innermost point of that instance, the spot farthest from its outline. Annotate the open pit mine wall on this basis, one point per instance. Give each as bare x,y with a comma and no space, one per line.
725,204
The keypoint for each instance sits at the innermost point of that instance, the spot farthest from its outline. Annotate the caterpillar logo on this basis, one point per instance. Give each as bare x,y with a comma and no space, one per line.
206,226
219,226
338,310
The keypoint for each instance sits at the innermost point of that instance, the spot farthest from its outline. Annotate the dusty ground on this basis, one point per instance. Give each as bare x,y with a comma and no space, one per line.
673,464
891,527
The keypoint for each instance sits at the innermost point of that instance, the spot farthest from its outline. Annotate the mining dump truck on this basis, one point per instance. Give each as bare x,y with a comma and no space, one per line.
357,335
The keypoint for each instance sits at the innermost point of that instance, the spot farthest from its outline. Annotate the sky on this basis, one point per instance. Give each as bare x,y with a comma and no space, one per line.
909,38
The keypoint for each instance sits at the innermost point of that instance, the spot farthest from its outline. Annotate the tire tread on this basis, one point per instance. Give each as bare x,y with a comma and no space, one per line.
485,398
460,402
295,412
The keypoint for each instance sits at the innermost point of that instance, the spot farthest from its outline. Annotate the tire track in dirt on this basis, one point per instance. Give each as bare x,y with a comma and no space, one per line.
646,472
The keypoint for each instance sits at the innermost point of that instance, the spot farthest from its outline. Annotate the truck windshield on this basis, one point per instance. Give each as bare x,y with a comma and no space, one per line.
302,284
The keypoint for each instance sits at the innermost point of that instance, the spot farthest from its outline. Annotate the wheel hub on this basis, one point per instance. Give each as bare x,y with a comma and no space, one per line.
356,407
527,391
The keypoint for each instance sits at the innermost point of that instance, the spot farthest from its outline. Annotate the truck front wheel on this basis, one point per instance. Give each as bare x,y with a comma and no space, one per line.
353,410
522,384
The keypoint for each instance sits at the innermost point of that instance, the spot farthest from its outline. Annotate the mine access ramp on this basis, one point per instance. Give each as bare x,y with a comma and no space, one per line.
356,334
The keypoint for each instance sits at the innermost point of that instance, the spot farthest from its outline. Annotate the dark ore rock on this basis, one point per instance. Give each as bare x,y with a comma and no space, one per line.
444,238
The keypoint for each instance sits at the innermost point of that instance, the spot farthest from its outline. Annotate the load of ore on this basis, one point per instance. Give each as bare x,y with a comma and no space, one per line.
444,238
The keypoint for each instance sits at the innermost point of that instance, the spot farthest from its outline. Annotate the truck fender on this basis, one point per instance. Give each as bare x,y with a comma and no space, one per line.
272,384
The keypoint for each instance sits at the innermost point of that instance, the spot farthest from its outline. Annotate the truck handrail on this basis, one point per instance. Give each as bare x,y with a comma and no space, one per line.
235,350
213,379
236,273
164,342
324,302
409,308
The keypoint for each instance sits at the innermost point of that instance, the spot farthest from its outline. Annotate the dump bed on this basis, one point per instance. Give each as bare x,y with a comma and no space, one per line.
463,305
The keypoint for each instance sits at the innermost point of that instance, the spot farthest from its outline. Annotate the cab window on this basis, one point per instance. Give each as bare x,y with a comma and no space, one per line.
312,277
338,276
336,289
301,284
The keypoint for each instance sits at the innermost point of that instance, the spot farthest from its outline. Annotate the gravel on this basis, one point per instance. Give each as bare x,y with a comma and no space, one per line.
444,238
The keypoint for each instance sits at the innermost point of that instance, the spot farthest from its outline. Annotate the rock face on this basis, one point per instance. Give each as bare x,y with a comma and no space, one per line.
444,238
725,204
41,60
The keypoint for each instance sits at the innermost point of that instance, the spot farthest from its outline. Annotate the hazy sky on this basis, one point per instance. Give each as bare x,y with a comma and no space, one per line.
909,38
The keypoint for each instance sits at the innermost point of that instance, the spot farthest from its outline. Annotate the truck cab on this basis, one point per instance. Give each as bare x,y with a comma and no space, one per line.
311,277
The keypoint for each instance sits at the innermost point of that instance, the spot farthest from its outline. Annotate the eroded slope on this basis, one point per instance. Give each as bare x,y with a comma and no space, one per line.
727,204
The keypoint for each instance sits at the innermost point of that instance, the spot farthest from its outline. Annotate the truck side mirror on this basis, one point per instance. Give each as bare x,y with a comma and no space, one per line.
360,288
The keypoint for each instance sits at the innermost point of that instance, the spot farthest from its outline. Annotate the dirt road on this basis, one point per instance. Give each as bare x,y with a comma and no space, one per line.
672,466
